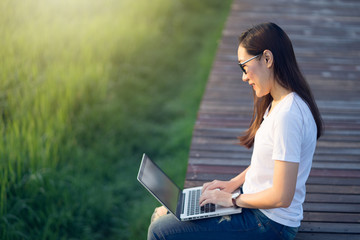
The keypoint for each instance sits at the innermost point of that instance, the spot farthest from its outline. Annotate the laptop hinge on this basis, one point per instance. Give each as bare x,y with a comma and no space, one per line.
180,205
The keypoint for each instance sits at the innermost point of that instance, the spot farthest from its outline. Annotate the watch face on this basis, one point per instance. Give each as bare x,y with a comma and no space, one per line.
235,195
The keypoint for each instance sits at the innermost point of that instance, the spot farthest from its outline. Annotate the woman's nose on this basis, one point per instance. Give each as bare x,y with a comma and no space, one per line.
244,77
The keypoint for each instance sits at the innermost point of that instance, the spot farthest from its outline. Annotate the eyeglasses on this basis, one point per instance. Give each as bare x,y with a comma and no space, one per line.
242,64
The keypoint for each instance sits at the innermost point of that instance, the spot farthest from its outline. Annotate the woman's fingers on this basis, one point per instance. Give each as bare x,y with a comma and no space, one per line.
161,211
205,198
205,186
216,197
212,185
158,212
209,196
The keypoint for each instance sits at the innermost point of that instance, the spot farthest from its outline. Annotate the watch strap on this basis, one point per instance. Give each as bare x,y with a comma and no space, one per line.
234,197
234,202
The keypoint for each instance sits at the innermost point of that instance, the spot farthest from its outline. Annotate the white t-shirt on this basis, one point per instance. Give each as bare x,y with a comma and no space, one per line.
288,133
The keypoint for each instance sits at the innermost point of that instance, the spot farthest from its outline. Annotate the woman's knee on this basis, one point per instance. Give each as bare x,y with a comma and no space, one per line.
153,231
158,228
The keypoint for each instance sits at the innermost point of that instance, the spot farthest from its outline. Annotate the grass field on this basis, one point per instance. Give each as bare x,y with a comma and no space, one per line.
85,88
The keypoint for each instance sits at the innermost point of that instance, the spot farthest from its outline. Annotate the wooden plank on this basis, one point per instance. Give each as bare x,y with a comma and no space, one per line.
330,180
332,207
333,198
333,189
325,236
334,217
325,227
335,173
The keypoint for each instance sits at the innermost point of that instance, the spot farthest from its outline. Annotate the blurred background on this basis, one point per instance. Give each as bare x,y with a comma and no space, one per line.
86,87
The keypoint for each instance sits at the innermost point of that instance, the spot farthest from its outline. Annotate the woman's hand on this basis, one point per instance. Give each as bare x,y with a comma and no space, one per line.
159,211
226,186
216,196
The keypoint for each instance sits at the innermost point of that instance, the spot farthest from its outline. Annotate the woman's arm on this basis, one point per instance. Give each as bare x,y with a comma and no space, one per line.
280,194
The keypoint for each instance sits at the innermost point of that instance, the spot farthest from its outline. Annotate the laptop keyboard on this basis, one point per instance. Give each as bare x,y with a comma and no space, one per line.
193,204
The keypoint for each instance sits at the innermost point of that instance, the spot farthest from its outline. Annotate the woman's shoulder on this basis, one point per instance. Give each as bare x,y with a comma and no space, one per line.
294,104
294,109
295,116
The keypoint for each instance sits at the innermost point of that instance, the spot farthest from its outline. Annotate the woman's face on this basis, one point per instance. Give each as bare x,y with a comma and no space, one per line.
258,74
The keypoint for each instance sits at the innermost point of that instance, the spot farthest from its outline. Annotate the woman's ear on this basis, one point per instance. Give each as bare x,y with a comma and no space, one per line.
269,58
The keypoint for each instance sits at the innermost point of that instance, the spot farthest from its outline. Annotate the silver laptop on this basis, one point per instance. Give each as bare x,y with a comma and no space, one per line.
184,204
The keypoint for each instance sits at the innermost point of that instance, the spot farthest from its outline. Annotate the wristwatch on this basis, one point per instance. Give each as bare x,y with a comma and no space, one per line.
234,196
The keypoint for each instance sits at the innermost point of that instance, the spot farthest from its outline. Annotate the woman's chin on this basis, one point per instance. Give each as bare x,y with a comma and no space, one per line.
258,93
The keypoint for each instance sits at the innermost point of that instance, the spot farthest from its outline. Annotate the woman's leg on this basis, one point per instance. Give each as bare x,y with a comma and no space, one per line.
250,224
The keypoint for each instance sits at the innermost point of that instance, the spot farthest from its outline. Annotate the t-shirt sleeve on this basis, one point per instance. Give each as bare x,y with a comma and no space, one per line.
288,137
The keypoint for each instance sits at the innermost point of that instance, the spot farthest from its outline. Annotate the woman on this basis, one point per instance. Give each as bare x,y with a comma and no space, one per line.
283,132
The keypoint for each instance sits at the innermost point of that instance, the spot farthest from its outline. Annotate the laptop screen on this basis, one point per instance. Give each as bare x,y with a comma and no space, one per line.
159,184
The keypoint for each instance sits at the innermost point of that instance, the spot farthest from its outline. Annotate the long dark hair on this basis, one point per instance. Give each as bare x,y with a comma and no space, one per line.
269,36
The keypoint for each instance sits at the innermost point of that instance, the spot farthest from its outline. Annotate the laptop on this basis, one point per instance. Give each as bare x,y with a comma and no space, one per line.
183,204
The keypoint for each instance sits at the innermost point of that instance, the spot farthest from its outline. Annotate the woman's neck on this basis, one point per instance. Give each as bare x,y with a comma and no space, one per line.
278,93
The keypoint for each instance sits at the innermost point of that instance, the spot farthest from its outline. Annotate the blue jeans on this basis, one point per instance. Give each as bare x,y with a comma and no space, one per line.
250,224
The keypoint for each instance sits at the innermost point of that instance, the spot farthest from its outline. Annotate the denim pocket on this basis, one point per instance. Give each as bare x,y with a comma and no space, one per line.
283,232
276,230
261,219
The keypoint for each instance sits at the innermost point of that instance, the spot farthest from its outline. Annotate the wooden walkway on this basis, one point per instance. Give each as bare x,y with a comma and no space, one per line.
326,38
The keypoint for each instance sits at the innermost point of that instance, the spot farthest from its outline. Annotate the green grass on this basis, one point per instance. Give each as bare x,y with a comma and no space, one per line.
85,88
